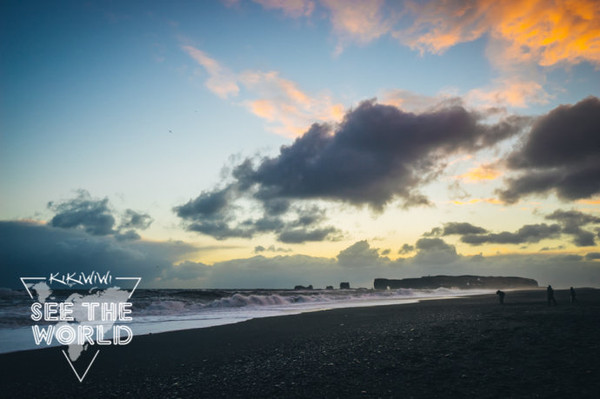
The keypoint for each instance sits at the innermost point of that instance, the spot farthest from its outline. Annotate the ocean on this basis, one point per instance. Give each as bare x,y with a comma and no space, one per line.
161,310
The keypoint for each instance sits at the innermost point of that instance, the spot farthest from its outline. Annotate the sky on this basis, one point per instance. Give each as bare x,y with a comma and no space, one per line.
270,143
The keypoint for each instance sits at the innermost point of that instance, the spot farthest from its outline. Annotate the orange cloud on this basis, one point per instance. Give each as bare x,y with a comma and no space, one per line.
480,173
220,80
515,93
478,200
546,32
289,110
357,20
593,201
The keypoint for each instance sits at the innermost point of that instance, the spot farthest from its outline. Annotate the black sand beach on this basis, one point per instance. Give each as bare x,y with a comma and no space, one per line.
467,347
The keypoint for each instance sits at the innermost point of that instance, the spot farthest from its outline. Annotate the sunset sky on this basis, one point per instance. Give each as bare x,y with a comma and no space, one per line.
270,143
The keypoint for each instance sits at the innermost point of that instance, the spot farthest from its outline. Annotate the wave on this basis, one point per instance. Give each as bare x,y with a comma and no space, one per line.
202,303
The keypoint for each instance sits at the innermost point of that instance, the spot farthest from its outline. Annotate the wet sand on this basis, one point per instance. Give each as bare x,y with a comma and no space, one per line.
467,347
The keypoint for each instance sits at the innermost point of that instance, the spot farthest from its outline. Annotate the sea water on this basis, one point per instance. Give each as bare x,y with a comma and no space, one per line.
162,310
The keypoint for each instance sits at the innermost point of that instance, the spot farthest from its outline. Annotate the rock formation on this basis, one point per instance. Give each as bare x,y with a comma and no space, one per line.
461,282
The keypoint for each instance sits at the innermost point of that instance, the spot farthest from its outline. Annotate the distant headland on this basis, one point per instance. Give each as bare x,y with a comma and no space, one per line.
461,282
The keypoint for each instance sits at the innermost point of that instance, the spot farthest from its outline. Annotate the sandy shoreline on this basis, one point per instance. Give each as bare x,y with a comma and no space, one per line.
464,347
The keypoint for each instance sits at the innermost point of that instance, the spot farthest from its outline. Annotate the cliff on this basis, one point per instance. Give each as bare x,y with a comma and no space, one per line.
461,282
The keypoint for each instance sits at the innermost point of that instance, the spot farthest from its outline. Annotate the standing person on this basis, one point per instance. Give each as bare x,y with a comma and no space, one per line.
550,295
500,296
572,292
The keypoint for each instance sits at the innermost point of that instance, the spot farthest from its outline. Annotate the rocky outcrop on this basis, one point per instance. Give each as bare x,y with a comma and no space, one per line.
344,286
301,287
461,282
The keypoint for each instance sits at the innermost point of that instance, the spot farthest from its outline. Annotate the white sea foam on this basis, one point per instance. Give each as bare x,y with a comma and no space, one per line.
158,311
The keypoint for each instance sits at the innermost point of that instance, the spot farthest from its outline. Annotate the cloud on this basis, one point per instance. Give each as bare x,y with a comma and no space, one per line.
514,92
551,249
569,222
290,8
529,30
435,251
436,231
83,212
560,154
409,101
377,155
358,21
221,80
455,228
462,229
287,109
135,220
480,173
359,254
473,201
406,248
95,216
530,233
523,37
297,236
128,235
572,221
30,249
215,213
271,248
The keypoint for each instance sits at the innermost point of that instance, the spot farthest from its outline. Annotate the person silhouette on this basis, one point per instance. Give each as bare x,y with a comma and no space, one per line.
572,293
550,295
500,296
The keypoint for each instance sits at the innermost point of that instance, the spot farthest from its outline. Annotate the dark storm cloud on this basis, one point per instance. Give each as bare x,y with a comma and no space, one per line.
128,235
135,220
207,205
210,213
376,155
95,217
530,233
214,213
29,249
83,212
561,153
572,222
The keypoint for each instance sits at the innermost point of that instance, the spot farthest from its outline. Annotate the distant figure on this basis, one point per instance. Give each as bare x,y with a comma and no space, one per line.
500,296
550,294
572,292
